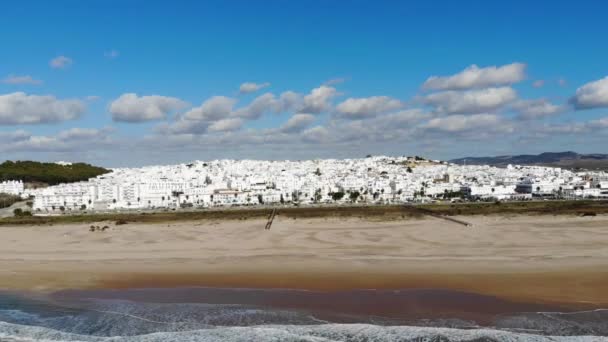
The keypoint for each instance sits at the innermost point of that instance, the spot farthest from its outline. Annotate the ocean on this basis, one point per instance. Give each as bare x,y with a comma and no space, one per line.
208,314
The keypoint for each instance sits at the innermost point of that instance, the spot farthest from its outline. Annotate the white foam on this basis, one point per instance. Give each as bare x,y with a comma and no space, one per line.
312,333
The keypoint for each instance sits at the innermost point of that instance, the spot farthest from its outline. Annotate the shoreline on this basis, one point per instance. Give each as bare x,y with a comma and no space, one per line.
546,259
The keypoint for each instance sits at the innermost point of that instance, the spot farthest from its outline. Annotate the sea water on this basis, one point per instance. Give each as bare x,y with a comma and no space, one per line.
283,315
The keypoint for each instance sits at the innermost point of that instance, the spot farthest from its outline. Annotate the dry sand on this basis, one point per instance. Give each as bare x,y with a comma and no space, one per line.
561,259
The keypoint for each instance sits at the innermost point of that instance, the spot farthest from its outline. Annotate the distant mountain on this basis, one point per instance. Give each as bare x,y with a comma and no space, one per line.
560,159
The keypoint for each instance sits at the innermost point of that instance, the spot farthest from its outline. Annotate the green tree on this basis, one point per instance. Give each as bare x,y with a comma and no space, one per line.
336,196
318,196
49,173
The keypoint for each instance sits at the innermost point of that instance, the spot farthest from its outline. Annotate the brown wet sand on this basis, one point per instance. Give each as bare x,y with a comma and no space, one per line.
535,259
346,306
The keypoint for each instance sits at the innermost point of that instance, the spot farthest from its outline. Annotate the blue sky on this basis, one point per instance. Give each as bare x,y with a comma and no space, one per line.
130,79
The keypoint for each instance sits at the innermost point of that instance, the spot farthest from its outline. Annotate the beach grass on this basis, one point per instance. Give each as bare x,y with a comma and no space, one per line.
372,212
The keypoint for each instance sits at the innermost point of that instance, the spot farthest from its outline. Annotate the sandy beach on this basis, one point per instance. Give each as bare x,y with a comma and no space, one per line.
558,259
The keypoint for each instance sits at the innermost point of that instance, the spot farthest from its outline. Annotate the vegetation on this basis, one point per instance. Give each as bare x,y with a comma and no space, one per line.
6,200
21,213
377,212
336,196
49,173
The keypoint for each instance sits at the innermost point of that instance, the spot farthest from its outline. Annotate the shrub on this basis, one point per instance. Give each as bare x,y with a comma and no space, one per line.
20,212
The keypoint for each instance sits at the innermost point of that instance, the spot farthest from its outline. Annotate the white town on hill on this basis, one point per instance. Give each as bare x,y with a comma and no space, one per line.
371,180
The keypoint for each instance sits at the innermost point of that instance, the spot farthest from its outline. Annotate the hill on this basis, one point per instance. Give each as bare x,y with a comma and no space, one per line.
48,173
559,159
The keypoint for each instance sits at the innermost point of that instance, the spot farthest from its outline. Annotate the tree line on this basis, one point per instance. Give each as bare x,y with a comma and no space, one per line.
49,173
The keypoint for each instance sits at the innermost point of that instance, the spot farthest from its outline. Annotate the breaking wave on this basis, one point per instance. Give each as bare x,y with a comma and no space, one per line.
312,333
117,320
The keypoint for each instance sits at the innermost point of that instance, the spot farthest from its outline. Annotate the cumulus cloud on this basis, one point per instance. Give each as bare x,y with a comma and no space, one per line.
298,122
316,134
471,101
536,109
74,139
16,80
22,109
60,62
262,104
591,95
215,108
132,108
467,123
367,106
77,133
251,87
198,119
12,136
572,128
476,77
226,125
319,100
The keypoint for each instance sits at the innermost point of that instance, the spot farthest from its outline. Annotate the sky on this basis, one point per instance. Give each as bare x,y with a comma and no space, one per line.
132,83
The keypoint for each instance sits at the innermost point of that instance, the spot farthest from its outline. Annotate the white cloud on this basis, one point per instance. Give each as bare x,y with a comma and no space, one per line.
74,139
315,134
403,118
476,77
471,101
251,87
298,122
288,101
22,109
462,123
226,125
199,119
591,95
132,108
260,105
318,100
367,106
82,133
536,109
26,79
112,54
18,135
538,83
215,108
60,62
572,128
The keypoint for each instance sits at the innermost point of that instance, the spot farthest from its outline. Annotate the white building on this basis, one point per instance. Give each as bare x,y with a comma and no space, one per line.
382,179
12,187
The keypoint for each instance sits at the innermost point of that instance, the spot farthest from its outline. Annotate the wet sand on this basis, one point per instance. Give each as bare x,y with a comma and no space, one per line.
401,307
544,259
